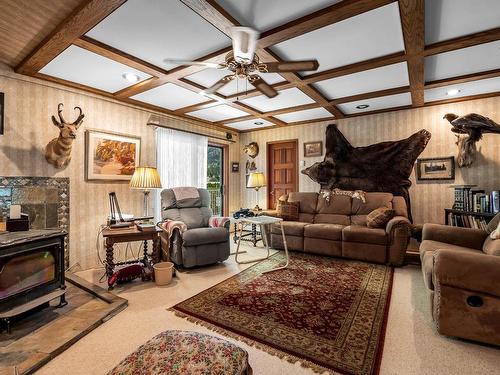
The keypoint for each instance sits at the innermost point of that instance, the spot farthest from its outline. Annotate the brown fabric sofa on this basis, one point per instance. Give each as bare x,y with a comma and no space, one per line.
461,269
338,228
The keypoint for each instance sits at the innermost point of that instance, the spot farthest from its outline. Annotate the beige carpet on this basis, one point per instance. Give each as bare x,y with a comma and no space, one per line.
411,346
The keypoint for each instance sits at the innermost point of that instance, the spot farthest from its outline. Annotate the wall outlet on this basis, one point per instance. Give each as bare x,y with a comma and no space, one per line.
302,163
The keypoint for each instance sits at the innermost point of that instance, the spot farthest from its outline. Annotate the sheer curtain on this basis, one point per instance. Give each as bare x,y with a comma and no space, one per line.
181,160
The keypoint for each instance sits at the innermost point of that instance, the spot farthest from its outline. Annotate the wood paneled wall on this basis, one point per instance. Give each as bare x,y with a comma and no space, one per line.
30,103
428,198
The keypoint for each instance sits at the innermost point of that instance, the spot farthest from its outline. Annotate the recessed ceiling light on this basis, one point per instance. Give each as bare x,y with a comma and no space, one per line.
362,106
131,77
258,123
452,92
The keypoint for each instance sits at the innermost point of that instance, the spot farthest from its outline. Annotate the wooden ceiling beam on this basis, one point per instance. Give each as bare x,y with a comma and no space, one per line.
463,42
357,67
413,24
369,95
81,20
324,17
463,79
119,56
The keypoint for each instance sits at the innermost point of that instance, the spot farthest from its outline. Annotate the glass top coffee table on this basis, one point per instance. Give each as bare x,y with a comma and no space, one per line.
262,221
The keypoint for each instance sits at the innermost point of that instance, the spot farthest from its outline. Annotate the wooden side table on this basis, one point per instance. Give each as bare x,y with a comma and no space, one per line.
130,234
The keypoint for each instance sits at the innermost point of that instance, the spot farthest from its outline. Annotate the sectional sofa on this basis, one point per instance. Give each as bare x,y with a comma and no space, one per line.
336,226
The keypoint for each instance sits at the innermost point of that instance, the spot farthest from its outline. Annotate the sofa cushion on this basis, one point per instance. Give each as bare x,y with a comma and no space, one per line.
379,217
306,218
358,233
200,236
491,246
373,201
292,228
324,231
332,219
308,201
288,210
335,204
399,205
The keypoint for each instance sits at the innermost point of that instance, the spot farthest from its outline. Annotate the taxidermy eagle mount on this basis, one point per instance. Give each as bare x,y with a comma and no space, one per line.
469,129
382,167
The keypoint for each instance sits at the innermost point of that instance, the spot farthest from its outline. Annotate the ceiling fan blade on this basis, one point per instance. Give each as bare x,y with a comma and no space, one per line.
244,43
288,66
188,62
218,85
262,86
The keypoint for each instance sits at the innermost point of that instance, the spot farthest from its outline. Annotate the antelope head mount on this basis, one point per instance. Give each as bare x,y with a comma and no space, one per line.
58,150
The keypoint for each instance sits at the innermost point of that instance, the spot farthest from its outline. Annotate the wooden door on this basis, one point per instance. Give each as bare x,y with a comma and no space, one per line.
282,167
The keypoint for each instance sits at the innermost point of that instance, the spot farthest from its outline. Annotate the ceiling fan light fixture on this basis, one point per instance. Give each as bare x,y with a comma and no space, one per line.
452,92
244,44
362,106
131,77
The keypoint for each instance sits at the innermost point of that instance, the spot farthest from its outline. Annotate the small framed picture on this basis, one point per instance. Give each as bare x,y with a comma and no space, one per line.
313,148
111,156
435,169
1,112
235,167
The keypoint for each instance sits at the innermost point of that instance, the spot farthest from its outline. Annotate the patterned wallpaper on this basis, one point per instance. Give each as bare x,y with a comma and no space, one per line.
30,103
428,198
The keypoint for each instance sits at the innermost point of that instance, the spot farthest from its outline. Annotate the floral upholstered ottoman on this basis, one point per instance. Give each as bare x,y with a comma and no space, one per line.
185,353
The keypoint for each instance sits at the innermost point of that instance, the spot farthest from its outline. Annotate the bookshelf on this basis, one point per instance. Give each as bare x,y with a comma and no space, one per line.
467,219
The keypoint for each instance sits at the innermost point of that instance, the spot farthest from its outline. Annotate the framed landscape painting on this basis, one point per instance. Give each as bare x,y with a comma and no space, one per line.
313,148
435,169
111,156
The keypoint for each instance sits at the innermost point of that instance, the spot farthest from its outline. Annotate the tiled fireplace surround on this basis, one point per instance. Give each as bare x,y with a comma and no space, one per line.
44,199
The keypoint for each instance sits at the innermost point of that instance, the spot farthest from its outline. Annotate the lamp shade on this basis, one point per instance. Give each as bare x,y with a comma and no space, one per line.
256,180
145,178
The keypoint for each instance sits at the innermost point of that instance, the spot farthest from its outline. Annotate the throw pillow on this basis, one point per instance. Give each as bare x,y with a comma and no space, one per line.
379,217
493,224
288,211
356,194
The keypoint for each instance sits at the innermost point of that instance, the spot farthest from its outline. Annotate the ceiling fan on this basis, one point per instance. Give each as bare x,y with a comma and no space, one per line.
243,62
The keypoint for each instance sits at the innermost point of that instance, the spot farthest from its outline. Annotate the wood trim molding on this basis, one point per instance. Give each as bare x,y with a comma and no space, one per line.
81,20
462,79
373,94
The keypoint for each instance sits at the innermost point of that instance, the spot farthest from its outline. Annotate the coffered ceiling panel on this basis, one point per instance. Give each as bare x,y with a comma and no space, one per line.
375,104
447,19
355,39
286,98
171,97
250,124
386,77
87,68
308,114
208,77
153,30
463,61
464,89
218,113
264,15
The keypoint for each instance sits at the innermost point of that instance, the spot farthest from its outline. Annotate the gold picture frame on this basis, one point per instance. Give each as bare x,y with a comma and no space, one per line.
111,156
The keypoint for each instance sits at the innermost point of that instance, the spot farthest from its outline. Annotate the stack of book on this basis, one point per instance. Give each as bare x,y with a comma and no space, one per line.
469,199
468,221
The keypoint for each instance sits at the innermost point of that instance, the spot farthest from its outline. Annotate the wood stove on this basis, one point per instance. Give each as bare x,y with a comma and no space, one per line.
31,271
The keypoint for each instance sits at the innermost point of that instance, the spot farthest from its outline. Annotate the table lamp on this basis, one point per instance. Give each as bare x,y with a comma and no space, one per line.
256,180
145,178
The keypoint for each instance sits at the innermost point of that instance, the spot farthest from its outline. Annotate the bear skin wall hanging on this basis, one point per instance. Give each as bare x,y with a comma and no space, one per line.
469,130
382,167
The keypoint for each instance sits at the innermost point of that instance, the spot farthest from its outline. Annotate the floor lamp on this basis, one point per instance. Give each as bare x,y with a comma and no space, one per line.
145,178
256,180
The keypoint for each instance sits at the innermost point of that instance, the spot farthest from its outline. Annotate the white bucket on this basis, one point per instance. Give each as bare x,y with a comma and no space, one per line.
163,272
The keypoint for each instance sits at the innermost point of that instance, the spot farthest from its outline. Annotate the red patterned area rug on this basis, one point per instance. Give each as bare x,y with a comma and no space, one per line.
327,313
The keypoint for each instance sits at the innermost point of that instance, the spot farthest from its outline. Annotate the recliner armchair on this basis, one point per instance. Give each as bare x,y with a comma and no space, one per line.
200,244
